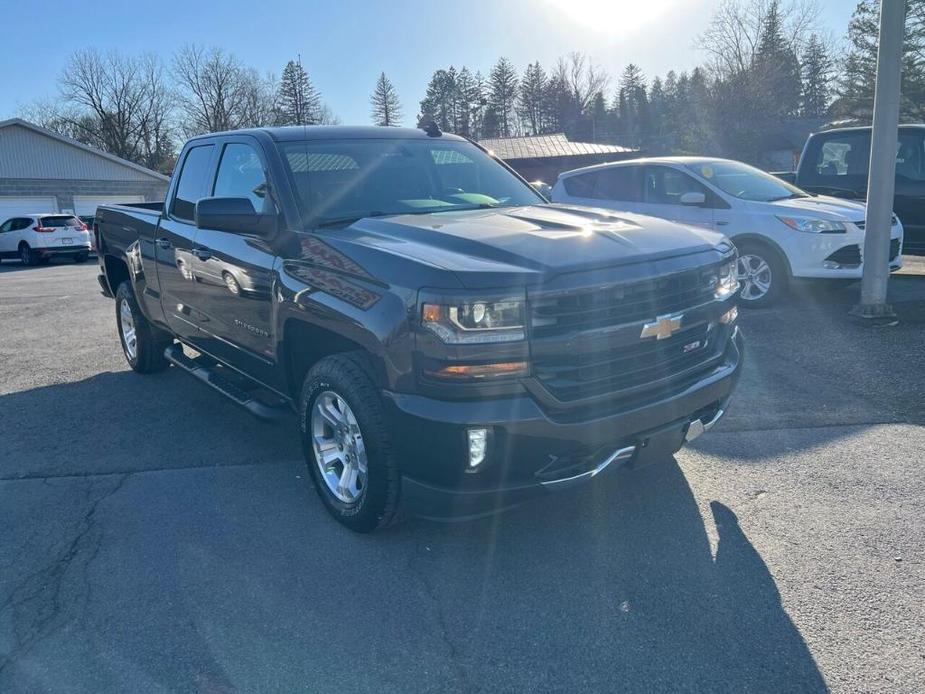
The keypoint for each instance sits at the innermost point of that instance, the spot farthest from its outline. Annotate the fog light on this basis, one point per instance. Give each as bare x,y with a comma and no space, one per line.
478,447
830,265
730,316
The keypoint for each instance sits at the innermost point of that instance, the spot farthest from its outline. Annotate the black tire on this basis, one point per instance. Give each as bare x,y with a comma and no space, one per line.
81,257
779,275
150,342
348,375
26,255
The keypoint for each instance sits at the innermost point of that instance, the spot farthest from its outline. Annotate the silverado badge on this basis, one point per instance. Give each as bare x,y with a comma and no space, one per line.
663,327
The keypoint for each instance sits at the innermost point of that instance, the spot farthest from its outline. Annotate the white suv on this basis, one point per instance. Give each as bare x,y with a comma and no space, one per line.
780,230
36,238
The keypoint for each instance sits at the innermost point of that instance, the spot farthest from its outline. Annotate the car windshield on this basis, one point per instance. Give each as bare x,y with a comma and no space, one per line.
338,181
746,182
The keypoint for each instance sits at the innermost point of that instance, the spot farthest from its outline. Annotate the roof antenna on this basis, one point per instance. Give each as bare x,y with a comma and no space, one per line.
432,129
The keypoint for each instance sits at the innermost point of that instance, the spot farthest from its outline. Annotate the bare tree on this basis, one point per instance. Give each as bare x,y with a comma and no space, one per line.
733,38
113,100
214,89
581,78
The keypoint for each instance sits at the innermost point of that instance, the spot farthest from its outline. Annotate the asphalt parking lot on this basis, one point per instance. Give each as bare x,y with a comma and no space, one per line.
153,537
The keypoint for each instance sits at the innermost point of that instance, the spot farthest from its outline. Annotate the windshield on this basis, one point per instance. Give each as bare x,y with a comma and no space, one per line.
341,180
746,182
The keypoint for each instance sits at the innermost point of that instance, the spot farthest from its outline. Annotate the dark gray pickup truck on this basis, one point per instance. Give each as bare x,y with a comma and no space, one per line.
449,342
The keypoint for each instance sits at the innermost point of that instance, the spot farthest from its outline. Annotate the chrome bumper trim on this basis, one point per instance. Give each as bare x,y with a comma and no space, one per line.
621,454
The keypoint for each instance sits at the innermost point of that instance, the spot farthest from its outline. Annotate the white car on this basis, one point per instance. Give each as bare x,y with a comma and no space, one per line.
781,231
36,238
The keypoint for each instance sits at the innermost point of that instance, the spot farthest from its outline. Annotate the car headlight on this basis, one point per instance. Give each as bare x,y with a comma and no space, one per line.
814,226
475,322
727,280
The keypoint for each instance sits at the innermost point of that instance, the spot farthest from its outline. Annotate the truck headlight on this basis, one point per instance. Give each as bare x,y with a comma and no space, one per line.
475,322
814,226
727,280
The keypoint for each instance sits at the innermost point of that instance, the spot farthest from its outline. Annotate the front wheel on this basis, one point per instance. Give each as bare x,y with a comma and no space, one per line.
346,443
762,276
142,343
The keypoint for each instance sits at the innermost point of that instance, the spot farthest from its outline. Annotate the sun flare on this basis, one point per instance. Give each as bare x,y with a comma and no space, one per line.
613,15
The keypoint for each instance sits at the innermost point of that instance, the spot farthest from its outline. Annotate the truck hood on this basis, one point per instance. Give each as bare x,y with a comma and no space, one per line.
821,207
548,239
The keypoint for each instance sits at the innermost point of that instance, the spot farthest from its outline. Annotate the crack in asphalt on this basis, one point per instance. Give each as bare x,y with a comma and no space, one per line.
462,675
34,606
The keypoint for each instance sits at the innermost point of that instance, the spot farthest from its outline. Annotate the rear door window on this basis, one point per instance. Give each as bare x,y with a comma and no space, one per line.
193,184
580,186
620,183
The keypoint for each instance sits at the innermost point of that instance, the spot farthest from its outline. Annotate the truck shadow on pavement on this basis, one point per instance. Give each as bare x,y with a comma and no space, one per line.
612,587
615,588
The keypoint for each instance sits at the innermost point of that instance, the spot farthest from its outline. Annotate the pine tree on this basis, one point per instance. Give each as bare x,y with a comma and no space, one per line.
859,68
530,98
632,106
502,95
386,108
775,71
299,102
816,72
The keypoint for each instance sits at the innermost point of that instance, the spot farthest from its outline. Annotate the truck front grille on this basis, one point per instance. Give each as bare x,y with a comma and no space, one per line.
587,343
567,313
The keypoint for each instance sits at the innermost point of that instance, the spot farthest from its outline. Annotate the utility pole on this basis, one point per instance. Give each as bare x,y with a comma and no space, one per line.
882,177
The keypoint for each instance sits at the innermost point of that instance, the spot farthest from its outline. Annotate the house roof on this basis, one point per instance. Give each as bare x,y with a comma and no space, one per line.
544,146
80,145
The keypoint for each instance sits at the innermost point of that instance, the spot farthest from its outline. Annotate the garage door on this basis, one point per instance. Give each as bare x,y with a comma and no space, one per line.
86,204
11,207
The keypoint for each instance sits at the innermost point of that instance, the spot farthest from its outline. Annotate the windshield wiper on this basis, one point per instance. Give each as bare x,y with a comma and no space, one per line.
792,196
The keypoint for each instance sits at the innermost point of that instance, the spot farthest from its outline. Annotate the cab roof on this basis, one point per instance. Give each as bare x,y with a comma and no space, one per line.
290,133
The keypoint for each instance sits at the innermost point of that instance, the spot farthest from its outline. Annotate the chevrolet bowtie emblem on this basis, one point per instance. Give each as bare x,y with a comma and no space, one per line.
663,327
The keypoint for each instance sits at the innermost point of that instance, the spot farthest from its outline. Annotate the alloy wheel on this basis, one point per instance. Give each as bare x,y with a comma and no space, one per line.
127,328
338,446
755,276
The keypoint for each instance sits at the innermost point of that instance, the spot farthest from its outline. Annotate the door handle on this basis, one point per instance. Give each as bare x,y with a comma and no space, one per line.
202,253
721,222
163,242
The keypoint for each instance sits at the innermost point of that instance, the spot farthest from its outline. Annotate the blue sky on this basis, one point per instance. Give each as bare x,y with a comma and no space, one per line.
345,44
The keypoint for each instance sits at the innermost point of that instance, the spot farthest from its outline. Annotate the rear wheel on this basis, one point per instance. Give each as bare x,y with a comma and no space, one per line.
762,275
27,256
346,444
142,343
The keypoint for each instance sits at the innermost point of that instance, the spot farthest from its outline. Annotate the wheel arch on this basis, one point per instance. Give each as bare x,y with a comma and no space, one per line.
765,242
116,272
305,344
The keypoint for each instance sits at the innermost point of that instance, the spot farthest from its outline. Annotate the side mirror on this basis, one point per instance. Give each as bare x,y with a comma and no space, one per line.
235,215
693,199
543,189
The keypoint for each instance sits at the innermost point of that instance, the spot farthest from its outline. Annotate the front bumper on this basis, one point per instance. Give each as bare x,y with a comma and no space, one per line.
533,453
836,256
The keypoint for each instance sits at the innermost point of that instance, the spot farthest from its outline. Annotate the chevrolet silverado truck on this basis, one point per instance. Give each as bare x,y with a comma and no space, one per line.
450,343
